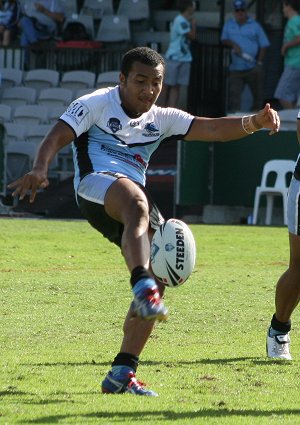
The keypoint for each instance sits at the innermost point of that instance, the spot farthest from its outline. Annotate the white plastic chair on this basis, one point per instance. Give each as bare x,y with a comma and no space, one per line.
19,95
134,9
41,78
82,92
70,7
54,112
15,132
281,167
5,113
108,78
19,159
97,8
37,132
55,96
114,28
75,80
30,114
11,77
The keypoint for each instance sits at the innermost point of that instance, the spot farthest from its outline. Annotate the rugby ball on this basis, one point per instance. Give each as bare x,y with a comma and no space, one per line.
173,253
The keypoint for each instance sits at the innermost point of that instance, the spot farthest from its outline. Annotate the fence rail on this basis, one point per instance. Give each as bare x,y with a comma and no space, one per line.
63,59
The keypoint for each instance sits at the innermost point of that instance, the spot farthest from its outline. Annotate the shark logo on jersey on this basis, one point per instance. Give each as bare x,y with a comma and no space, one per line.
151,130
77,111
114,124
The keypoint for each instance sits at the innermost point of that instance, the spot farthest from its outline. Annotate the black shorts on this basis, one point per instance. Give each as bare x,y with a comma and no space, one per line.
111,229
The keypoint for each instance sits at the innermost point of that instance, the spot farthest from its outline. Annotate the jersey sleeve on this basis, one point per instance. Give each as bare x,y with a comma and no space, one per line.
181,26
175,123
81,115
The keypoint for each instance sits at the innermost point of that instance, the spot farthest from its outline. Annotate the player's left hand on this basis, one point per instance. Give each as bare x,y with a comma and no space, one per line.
268,118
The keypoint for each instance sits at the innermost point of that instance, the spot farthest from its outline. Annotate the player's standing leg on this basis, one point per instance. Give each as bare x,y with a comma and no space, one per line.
288,287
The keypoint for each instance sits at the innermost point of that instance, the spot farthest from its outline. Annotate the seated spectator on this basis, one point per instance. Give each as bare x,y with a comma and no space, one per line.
9,19
40,21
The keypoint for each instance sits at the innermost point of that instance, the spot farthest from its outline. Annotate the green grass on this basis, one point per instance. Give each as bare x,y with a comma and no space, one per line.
64,291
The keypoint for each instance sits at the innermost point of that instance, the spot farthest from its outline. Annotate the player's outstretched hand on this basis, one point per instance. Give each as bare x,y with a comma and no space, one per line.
29,184
268,118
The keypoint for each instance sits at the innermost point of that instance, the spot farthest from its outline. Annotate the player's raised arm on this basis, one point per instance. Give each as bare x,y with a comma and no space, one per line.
231,128
59,136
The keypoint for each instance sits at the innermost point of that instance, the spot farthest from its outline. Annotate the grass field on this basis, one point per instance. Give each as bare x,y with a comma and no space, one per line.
64,292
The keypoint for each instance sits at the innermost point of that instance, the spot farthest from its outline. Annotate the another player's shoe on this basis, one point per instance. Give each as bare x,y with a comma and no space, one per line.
278,346
147,302
130,384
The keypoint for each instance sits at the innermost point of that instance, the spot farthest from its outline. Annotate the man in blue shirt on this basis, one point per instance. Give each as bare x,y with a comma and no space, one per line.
248,42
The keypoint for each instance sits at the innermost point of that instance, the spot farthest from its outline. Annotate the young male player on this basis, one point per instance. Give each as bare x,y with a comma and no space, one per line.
114,132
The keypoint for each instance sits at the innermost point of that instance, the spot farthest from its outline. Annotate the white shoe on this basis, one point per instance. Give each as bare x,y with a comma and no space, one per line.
278,346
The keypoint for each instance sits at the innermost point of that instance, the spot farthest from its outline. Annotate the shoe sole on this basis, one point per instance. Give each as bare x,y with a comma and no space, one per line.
159,317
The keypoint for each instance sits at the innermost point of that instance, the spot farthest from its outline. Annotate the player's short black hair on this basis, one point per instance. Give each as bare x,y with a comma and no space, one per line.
295,4
183,5
143,55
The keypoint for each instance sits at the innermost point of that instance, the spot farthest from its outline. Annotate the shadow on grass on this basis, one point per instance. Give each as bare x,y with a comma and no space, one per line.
156,363
164,415
255,360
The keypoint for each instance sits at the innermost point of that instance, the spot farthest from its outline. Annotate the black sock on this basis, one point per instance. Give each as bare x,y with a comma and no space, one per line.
126,359
138,273
283,327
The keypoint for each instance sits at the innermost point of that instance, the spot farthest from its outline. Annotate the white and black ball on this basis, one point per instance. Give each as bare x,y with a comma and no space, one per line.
173,253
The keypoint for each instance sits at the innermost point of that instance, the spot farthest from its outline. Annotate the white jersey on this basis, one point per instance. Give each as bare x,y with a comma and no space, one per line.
107,140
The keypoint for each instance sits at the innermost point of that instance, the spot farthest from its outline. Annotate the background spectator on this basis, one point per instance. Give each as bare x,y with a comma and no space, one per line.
248,41
288,87
9,19
178,55
40,21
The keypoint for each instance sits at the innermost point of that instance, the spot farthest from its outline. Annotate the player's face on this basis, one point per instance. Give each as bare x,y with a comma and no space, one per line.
140,89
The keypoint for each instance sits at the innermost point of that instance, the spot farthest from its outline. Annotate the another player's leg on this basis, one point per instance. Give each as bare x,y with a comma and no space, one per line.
288,287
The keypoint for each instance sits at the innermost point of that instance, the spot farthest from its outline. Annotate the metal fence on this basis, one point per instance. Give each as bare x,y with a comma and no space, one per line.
64,59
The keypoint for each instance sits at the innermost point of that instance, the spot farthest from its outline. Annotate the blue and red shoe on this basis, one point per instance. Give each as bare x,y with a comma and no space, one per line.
147,302
111,385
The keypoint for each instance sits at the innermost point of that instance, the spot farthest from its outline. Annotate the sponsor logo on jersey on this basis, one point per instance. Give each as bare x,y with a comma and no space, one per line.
114,124
138,158
151,130
134,123
77,111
